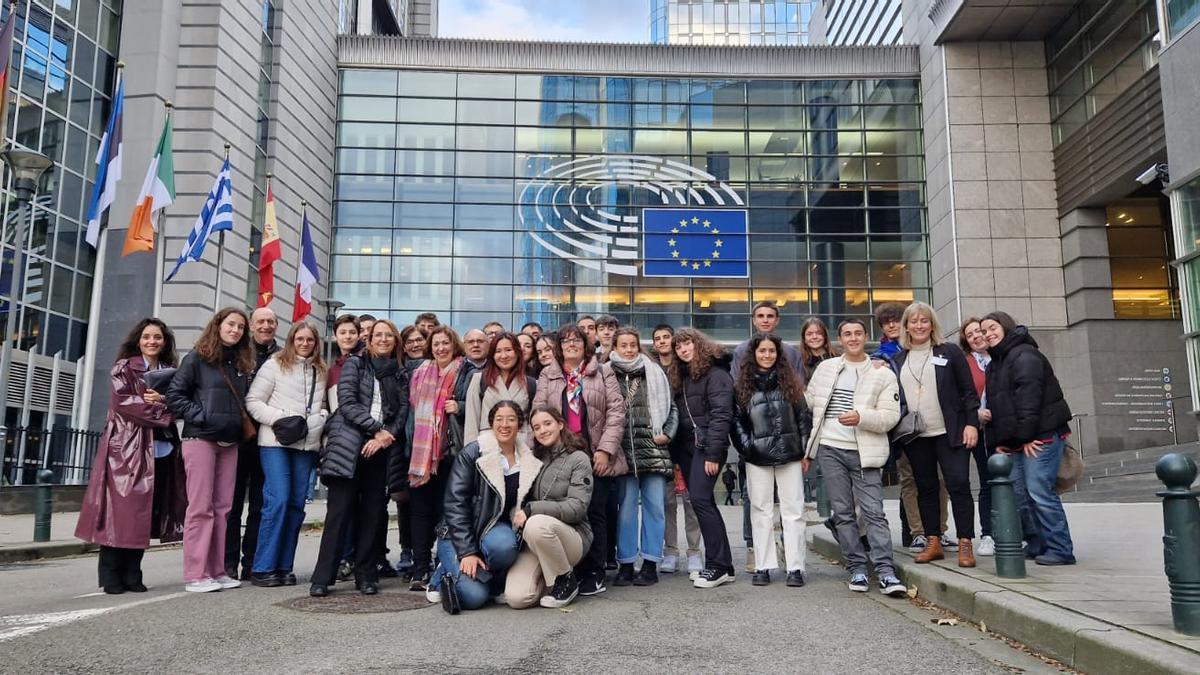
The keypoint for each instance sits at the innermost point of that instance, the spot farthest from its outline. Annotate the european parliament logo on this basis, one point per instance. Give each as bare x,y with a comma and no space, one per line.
695,243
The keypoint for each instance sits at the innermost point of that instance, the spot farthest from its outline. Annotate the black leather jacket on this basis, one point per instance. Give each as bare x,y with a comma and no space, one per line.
771,431
474,499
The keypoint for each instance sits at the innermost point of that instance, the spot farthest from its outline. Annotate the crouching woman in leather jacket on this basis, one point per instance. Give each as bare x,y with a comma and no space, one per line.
553,521
488,482
772,426
368,426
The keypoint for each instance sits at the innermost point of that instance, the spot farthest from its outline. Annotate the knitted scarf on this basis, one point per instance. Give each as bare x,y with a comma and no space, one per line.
658,390
428,394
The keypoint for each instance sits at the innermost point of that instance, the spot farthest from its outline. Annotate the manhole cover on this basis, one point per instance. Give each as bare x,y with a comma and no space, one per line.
353,602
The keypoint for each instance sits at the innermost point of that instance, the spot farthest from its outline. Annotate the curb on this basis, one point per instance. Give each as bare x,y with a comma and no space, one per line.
46,550
1088,644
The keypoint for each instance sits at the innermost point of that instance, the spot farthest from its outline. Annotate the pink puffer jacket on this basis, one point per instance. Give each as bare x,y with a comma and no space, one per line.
604,412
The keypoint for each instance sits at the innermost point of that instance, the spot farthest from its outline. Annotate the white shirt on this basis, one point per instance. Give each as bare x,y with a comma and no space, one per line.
841,401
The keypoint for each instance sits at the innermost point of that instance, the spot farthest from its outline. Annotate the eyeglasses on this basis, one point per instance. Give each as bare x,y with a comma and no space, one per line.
571,341
413,342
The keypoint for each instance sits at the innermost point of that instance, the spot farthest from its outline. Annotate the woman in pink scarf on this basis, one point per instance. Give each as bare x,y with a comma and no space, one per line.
436,395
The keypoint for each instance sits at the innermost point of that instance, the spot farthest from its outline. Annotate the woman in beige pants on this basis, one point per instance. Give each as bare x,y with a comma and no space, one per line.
553,522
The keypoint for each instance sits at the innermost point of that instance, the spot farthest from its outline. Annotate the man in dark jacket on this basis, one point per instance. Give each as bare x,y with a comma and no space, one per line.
730,480
249,480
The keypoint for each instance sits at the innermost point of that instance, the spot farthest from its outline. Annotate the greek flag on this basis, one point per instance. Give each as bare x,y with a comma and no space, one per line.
216,216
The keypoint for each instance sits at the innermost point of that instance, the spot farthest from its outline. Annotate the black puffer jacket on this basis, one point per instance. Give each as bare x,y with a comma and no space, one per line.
706,410
1023,394
771,431
641,452
200,396
474,498
352,425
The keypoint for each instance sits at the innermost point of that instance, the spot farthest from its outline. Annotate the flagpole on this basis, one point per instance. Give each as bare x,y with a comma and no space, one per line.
94,323
220,254
160,244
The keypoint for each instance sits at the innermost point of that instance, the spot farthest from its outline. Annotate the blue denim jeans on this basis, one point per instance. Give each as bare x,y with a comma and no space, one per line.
1043,519
651,488
285,484
499,547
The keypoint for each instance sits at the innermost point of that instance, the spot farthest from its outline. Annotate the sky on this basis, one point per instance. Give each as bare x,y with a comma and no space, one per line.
565,20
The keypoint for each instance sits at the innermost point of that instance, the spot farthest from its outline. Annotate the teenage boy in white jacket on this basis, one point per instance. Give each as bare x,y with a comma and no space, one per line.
854,406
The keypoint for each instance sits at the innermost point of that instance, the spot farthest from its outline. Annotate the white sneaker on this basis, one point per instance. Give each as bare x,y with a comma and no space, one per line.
501,599
987,546
226,582
668,564
695,565
433,596
712,579
202,586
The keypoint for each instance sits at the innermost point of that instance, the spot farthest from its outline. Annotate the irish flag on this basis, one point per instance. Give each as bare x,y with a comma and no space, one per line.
272,250
158,192
307,276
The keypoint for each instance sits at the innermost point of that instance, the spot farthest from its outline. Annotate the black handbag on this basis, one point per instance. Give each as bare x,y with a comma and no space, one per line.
294,428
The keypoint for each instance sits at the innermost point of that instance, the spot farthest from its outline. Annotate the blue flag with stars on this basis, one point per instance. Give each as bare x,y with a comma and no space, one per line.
695,243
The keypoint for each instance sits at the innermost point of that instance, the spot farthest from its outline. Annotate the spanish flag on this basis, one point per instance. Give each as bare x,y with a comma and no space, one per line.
272,250
158,192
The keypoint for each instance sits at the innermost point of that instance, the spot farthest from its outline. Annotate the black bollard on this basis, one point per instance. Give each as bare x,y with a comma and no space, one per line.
1181,539
1006,522
43,505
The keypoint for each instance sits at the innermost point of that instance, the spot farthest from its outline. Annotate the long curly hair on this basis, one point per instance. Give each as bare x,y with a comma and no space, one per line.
130,346
707,351
209,347
789,384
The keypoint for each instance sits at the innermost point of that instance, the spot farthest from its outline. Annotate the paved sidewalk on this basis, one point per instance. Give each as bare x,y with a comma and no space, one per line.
1111,612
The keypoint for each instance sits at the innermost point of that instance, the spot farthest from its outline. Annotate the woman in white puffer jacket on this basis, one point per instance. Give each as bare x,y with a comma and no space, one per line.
289,385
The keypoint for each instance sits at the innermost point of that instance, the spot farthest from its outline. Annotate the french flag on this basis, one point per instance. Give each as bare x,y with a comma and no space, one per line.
307,276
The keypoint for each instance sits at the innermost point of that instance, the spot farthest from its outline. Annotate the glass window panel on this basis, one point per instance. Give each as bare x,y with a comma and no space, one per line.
660,90
487,190
483,244
486,112
421,298
776,117
781,194
424,136
367,296
425,162
776,142
777,220
898,275
777,247
424,215
485,138
602,140
367,188
733,142
370,82
780,168
369,109
422,83
892,117
836,221
909,195
497,270
499,164
435,110
718,117
481,85
494,297
362,267
353,160
540,139
365,135
424,188
413,242
660,115
786,274
895,168
363,214
1139,273
775,92
840,92
658,142
362,242
725,92
892,91
896,221
422,270
546,87
656,298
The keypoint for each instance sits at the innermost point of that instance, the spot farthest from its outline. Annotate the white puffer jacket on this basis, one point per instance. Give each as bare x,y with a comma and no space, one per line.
876,400
276,394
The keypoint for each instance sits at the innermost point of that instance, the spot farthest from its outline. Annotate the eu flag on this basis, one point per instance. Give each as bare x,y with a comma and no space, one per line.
695,243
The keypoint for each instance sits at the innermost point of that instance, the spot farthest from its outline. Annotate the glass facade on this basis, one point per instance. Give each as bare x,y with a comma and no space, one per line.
1139,255
519,197
1180,14
730,22
1102,48
266,88
863,22
64,69
1185,204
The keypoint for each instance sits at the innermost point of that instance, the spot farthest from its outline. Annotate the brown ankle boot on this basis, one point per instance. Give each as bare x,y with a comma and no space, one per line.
933,551
966,556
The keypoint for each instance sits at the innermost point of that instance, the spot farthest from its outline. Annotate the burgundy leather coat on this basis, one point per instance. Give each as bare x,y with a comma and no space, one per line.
119,507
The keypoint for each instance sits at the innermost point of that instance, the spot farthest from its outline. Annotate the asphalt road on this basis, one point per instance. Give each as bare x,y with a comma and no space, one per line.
53,620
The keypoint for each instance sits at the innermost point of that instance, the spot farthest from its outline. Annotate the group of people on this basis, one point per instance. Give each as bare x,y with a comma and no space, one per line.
525,466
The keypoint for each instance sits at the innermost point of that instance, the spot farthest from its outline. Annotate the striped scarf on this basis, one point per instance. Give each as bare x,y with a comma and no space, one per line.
428,394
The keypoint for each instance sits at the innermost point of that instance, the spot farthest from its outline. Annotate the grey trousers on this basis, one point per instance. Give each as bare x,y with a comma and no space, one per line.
848,484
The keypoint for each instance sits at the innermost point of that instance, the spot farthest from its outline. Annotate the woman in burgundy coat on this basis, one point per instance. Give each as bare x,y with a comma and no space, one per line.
136,488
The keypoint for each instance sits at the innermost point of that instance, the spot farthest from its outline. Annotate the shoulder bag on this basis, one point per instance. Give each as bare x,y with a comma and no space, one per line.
294,428
912,424
249,431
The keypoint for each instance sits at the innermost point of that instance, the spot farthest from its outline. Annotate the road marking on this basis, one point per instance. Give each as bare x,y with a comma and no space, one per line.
19,625
88,595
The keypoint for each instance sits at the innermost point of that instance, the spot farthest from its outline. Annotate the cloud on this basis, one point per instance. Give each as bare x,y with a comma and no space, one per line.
559,20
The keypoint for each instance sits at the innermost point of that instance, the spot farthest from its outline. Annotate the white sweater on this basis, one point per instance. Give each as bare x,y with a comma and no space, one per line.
276,394
876,400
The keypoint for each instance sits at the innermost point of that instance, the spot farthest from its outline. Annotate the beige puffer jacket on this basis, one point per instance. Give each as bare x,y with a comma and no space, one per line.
876,400
276,394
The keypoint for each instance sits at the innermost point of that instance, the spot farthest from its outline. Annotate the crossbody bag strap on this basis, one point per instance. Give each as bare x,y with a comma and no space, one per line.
232,389
312,386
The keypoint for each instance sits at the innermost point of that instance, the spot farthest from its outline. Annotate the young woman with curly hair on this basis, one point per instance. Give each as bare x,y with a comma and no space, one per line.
703,392
772,427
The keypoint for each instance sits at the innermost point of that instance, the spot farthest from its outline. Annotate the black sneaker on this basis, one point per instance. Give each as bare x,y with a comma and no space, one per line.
345,571
648,575
795,578
385,569
318,590
761,578
890,585
624,575
266,579
592,584
710,578
563,593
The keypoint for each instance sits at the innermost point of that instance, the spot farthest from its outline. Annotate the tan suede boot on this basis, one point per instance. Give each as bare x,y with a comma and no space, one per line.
966,556
933,551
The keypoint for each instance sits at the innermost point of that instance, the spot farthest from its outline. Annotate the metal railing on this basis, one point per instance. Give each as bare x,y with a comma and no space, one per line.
65,451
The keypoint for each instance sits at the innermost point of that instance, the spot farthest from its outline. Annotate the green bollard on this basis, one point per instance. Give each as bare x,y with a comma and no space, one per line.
1006,523
1181,539
43,505
823,507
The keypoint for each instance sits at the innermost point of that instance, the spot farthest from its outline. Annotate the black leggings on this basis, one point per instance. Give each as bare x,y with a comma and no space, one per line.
424,511
120,567
357,502
595,557
712,526
926,455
